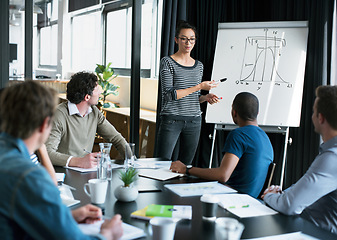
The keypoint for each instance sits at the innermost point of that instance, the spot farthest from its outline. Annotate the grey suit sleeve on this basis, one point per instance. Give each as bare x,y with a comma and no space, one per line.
318,181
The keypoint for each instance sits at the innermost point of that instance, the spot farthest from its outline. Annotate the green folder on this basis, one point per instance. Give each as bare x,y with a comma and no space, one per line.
172,211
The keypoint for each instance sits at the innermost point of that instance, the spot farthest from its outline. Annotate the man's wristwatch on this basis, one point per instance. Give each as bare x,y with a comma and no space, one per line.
188,167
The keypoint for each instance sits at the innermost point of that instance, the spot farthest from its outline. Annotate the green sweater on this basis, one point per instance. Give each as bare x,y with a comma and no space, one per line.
71,134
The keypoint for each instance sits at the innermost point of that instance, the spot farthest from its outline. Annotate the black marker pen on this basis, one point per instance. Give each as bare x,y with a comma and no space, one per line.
221,80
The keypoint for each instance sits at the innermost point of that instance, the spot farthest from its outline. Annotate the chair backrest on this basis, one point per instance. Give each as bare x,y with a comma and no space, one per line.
269,177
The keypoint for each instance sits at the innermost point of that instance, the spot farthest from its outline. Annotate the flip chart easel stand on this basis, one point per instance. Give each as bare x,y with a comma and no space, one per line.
269,129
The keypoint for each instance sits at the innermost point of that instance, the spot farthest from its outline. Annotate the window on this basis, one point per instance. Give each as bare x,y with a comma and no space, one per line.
86,41
118,37
48,45
47,32
117,49
103,35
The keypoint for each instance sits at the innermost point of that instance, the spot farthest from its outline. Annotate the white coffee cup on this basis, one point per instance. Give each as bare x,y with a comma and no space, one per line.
228,229
209,206
97,190
163,228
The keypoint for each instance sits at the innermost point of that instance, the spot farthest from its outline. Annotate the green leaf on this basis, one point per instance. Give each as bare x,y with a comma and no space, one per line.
100,82
107,75
106,105
128,176
99,68
99,77
112,77
112,88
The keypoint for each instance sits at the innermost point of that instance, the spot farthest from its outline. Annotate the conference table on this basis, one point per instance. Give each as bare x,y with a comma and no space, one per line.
197,228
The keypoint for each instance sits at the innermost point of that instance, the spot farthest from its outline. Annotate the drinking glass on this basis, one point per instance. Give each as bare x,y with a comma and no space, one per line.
104,164
130,156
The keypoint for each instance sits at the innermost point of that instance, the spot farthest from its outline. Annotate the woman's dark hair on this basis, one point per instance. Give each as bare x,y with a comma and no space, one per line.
181,24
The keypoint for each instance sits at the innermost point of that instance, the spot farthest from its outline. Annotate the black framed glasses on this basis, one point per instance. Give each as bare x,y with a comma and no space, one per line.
185,39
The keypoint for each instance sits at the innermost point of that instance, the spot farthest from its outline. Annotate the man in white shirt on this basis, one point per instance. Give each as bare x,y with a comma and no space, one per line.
76,123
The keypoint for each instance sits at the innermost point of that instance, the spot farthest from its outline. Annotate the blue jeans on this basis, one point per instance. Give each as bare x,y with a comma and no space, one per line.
184,135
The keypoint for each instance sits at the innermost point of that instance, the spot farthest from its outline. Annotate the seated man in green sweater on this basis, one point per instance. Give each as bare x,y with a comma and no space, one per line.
76,123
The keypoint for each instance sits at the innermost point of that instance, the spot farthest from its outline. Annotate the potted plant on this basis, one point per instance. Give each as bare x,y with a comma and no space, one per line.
105,75
127,192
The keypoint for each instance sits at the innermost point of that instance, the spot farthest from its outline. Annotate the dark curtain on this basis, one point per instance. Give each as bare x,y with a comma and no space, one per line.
206,15
318,67
173,10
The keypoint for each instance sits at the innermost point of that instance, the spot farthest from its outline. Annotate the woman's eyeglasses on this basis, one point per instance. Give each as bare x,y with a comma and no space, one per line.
185,39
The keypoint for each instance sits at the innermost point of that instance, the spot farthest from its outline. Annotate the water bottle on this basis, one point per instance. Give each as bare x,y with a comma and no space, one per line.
102,167
104,164
130,156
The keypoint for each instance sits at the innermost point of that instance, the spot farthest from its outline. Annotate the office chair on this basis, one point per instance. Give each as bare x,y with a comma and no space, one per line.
269,177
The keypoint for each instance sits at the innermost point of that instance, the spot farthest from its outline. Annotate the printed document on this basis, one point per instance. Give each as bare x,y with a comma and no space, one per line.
243,205
198,189
152,164
159,174
94,169
287,236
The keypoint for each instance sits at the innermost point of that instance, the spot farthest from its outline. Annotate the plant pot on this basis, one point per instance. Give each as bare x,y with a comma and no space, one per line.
126,194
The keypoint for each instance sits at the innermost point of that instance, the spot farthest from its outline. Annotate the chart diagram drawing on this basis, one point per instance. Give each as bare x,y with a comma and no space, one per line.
260,59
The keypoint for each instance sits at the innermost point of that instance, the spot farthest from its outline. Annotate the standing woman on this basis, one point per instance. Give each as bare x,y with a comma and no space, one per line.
180,115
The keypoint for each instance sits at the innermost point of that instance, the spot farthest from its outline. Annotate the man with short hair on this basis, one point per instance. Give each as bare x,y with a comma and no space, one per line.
314,196
248,151
76,123
30,205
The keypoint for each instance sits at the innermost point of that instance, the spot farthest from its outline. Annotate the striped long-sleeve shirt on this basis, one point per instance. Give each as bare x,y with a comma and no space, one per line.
174,76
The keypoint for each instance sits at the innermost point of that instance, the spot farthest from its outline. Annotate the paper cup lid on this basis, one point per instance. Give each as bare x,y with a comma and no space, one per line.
209,198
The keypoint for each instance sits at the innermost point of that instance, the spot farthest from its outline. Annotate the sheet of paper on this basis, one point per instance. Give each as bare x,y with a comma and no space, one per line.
60,177
130,232
153,164
287,236
159,174
82,170
67,196
69,202
94,169
198,189
243,205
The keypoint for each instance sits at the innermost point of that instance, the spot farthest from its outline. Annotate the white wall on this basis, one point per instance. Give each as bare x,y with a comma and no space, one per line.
148,93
